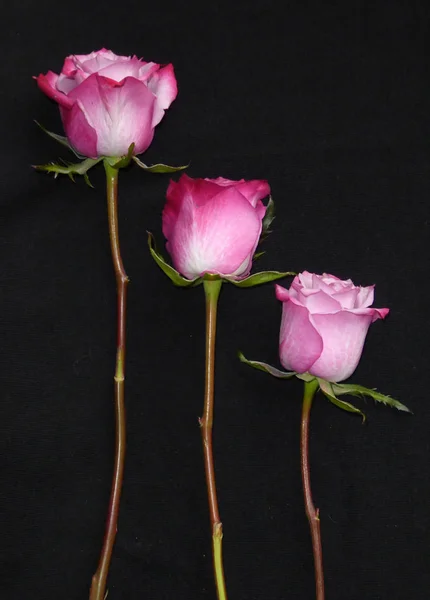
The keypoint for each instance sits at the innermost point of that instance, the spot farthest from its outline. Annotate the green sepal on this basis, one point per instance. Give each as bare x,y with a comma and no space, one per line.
168,269
61,139
258,278
159,167
305,377
210,277
268,219
70,169
261,366
359,390
258,254
327,390
123,161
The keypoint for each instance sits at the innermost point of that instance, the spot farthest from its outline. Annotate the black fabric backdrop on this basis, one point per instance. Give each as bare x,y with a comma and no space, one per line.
328,102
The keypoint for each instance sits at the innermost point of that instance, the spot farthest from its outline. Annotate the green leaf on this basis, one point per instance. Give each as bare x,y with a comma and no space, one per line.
327,390
259,278
124,161
61,139
266,368
169,270
159,167
359,390
70,169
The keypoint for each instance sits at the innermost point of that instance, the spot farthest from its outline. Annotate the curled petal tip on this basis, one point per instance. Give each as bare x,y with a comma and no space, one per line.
281,293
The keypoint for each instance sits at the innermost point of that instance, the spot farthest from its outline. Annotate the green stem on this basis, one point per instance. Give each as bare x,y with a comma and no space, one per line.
312,513
212,288
98,585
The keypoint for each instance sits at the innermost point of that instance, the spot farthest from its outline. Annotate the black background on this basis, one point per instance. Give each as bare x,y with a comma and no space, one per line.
330,103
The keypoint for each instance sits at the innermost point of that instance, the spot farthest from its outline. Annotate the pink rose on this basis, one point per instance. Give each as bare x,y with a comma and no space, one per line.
213,225
324,325
107,102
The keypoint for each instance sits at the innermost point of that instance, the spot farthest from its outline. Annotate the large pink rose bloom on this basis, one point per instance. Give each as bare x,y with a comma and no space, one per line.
214,225
107,102
324,325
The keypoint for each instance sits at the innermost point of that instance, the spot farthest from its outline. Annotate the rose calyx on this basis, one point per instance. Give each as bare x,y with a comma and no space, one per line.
329,389
118,162
181,281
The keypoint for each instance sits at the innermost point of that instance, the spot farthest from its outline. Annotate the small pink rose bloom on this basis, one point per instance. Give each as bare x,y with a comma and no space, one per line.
107,102
214,225
324,324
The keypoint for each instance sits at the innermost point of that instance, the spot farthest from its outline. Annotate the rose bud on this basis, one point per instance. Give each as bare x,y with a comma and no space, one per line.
324,325
107,102
214,225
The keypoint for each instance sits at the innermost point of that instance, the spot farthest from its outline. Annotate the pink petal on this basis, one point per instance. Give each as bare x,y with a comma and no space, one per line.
119,113
329,278
147,70
121,69
282,294
175,196
374,313
319,302
95,61
347,298
343,337
47,84
217,236
380,313
79,132
365,296
163,85
322,282
261,210
67,83
69,67
103,53
296,288
254,190
201,190
300,345
225,182
304,279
